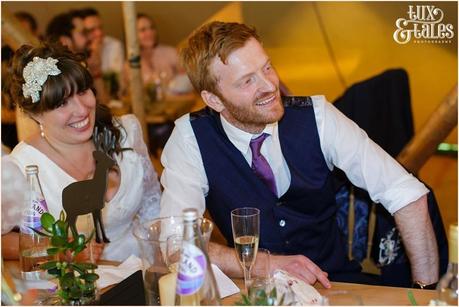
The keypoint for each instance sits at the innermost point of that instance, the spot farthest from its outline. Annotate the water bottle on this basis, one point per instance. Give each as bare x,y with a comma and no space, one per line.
447,286
196,283
32,246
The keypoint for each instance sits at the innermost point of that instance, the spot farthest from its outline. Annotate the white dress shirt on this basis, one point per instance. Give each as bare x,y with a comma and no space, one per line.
112,55
343,145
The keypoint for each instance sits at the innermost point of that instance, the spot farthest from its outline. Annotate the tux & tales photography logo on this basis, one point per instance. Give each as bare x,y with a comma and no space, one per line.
423,24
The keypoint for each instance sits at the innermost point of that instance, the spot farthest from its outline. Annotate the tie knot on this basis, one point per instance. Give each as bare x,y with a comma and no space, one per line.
255,144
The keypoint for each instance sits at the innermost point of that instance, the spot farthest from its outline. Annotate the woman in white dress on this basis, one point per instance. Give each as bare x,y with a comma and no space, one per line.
53,86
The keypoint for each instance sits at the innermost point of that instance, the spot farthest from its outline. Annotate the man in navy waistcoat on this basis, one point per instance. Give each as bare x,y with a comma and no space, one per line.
252,147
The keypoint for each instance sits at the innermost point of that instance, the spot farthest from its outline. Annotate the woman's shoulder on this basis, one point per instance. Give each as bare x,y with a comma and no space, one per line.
22,151
24,154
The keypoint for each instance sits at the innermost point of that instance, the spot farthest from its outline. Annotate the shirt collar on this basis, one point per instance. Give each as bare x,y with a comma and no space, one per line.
240,138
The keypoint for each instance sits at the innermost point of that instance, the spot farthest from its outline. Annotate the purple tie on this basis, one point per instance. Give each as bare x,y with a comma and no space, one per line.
259,164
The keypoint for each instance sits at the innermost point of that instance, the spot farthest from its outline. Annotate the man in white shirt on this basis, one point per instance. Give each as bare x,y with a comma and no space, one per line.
250,147
106,54
109,49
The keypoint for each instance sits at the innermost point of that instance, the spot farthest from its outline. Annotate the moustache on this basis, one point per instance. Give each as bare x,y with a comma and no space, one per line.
264,95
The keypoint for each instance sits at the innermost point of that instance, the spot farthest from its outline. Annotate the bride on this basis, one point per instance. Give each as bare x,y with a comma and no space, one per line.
53,86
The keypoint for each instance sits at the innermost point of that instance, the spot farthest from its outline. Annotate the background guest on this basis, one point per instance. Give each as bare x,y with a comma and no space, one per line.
159,63
28,22
106,51
68,29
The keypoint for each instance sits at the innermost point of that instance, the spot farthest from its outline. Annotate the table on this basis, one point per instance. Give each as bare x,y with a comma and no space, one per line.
169,109
371,295
166,110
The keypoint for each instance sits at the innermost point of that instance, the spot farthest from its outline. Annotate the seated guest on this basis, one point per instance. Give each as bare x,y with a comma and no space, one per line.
68,29
28,22
106,55
159,62
252,147
108,50
67,112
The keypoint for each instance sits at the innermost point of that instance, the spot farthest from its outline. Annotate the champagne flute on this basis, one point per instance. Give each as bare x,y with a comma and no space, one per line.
245,223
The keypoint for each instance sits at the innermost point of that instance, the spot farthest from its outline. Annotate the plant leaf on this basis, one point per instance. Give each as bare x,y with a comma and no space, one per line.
58,241
90,277
77,268
47,221
48,265
62,215
411,298
87,266
54,271
59,229
67,281
52,251
40,233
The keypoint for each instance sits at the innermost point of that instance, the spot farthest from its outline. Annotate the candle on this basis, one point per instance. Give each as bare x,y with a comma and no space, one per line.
167,289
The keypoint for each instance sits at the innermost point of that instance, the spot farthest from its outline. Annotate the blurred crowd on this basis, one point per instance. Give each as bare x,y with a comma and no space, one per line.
82,31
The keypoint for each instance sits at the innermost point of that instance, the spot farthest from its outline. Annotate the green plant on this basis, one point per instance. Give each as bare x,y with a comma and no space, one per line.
77,281
259,297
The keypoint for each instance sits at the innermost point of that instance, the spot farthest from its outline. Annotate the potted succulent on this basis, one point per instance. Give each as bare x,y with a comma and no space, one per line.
77,280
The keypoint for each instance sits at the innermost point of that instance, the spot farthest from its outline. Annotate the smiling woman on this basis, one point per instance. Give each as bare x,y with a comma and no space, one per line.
53,86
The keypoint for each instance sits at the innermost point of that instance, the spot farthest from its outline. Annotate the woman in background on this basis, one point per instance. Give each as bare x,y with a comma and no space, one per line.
159,63
53,86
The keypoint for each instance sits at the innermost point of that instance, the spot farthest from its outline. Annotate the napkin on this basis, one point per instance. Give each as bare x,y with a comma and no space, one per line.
225,285
109,275
296,291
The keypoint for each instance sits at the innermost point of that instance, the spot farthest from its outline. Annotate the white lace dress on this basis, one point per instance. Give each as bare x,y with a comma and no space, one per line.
138,194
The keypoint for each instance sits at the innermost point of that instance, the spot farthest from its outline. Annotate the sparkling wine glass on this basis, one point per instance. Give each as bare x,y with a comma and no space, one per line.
245,223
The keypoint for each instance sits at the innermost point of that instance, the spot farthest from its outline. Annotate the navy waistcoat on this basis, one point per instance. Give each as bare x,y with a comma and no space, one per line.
302,221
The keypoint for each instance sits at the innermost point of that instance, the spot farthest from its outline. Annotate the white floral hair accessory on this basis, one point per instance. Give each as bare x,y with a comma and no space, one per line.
35,75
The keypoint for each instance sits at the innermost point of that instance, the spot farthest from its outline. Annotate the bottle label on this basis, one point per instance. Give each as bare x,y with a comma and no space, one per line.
192,270
33,213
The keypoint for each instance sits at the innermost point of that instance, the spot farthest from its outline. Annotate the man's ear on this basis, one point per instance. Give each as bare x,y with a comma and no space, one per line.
212,101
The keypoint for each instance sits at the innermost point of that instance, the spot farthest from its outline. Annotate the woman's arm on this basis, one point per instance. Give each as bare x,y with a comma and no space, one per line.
10,246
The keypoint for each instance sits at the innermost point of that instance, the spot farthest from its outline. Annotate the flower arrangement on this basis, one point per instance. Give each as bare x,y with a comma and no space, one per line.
77,281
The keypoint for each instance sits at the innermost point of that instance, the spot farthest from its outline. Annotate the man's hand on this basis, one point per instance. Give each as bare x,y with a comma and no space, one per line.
297,265
300,267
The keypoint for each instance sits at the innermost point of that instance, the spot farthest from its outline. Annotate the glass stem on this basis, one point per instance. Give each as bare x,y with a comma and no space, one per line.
247,278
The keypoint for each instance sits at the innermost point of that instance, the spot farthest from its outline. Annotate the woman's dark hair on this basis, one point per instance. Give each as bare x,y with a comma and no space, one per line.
74,78
27,17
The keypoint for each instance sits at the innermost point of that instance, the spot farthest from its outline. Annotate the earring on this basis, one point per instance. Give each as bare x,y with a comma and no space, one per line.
42,132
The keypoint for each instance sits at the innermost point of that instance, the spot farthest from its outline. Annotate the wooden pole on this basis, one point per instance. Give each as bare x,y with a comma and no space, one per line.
133,55
434,131
15,36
